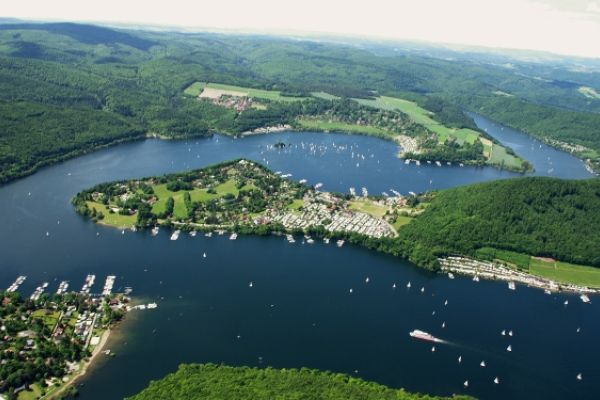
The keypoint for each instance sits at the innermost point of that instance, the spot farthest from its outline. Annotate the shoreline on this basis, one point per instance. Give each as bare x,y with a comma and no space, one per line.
84,366
495,271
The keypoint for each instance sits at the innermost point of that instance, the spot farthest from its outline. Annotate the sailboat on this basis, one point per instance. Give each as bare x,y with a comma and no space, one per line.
510,333
250,284
482,364
496,380
408,285
433,349
579,377
446,302
423,290
504,332
509,348
394,286
466,384
204,255
444,324
459,359
367,280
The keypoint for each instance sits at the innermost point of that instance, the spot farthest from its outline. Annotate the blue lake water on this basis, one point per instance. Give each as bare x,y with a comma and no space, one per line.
299,312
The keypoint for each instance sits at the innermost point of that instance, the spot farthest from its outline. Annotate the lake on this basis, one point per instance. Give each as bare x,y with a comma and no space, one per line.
299,311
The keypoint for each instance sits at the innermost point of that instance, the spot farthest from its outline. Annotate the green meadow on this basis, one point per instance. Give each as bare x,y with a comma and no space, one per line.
565,272
422,117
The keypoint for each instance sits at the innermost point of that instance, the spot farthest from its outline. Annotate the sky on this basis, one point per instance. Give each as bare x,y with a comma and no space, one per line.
570,27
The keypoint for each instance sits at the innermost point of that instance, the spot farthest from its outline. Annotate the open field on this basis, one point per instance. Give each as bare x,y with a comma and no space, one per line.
589,92
422,117
335,126
565,272
49,319
32,393
295,205
218,89
324,96
401,220
179,209
114,219
368,207
499,156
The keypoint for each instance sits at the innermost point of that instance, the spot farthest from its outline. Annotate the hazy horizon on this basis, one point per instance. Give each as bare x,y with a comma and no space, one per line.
568,28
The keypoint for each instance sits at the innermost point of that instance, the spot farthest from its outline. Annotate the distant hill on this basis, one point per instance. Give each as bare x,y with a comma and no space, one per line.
135,80
218,382
88,34
536,216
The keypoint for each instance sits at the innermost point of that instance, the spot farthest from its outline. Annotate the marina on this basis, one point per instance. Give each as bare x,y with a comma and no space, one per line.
316,320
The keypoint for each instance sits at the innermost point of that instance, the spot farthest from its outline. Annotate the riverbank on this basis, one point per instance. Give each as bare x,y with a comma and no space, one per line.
499,271
84,366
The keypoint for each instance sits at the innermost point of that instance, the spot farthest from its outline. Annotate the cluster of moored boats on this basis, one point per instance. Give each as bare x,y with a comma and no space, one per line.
63,286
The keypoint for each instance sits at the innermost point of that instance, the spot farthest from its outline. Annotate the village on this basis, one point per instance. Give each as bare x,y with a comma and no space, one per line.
66,329
321,209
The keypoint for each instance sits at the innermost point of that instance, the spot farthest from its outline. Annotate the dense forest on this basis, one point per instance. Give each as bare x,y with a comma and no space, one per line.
536,216
210,381
67,88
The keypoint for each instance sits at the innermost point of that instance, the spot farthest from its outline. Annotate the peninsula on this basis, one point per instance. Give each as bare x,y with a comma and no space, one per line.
450,230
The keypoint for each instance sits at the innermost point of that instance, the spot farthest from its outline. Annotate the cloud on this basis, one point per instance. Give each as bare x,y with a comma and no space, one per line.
593,7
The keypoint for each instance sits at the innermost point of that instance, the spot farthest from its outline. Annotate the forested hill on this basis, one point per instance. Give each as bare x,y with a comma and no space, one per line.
209,381
68,88
537,216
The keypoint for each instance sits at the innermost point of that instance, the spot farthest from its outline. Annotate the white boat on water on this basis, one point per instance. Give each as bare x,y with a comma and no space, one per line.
193,233
482,364
326,240
496,380
208,234
584,297
512,286
408,285
340,243
233,236
466,384
476,278
154,231
422,335
509,348
175,235
450,275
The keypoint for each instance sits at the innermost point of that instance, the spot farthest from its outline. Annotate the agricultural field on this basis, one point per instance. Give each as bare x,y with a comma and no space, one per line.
565,272
589,92
422,117
325,96
217,89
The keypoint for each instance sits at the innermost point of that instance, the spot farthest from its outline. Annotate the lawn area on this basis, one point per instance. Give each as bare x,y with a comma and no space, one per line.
499,156
114,219
401,220
342,127
368,207
196,88
34,392
180,210
324,96
295,205
50,320
565,272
